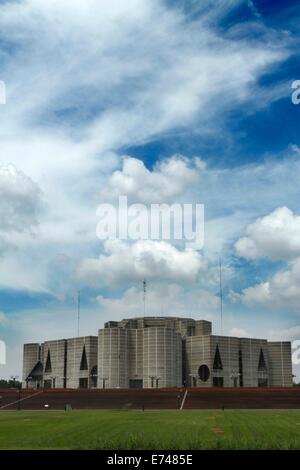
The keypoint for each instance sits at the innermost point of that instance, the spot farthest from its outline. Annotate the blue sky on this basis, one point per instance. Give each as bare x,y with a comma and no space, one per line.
103,95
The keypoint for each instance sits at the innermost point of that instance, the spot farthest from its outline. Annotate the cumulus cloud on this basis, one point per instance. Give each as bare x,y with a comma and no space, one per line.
280,291
275,236
124,262
20,200
239,333
111,75
170,300
169,178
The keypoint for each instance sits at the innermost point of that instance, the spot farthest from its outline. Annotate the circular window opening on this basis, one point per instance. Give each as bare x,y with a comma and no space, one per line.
203,373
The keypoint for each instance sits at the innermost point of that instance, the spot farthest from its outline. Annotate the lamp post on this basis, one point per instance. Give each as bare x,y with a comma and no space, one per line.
53,381
193,380
27,380
14,378
234,377
152,377
19,400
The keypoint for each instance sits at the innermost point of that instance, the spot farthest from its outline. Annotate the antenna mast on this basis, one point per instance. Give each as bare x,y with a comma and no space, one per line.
144,295
221,294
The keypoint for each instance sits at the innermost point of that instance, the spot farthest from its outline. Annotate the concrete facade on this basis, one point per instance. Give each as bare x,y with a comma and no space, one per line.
155,352
239,365
64,363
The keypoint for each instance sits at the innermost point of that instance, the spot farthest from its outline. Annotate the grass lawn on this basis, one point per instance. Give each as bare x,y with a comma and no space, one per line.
150,429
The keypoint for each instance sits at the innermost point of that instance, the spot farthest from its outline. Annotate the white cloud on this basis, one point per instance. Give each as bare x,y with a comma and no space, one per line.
239,333
169,179
20,199
281,291
124,262
275,236
134,58
171,300
85,79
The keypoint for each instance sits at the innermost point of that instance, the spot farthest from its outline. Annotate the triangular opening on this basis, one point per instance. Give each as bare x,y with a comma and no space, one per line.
37,371
217,360
48,367
261,362
83,363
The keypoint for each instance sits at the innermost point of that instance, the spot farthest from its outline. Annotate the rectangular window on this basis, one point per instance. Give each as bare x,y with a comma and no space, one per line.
218,381
83,383
135,383
262,382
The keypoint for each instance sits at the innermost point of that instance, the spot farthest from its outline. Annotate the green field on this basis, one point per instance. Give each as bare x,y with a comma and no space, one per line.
150,430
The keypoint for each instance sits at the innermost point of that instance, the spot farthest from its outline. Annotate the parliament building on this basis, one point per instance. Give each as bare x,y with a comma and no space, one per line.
156,352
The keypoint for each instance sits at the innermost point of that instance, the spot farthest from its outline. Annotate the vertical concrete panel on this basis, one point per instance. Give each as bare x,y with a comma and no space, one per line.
228,350
56,350
113,358
31,356
250,349
197,353
280,359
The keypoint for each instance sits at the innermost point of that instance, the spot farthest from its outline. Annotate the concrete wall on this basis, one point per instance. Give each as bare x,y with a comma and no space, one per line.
75,348
250,349
65,358
203,327
32,354
112,358
184,326
135,354
197,352
201,350
152,355
228,350
162,357
54,378
280,364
